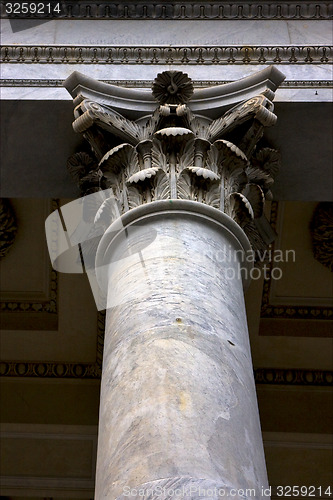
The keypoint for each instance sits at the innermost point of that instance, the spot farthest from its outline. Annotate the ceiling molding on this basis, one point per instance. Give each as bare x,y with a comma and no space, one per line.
288,311
40,306
280,376
154,55
306,312
60,475
49,369
11,304
187,10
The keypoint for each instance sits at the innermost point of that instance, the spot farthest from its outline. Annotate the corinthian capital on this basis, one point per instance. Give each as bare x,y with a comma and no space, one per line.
178,153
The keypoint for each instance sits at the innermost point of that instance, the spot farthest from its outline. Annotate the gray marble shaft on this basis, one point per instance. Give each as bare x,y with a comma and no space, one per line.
178,410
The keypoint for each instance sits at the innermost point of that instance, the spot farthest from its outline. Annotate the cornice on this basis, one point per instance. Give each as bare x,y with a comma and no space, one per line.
137,55
188,10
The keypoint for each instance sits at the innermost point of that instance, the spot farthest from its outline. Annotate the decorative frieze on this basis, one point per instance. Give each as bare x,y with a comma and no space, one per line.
49,369
276,376
218,55
186,10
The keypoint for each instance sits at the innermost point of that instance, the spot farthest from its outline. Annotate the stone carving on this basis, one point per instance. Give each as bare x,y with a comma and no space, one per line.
322,234
224,55
8,227
172,87
196,10
206,101
175,153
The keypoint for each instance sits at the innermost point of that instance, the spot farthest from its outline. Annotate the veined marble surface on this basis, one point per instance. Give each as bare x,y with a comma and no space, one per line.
177,395
132,72
104,32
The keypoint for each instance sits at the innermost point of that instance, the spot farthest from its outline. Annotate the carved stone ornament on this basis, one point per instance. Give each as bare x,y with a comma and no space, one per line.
172,87
190,10
8,227
174,153
223,55
321,228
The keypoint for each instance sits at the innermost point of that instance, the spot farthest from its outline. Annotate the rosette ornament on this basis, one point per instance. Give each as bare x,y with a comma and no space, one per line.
172,87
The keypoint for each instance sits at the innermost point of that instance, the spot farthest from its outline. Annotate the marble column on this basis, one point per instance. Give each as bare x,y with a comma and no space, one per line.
178,410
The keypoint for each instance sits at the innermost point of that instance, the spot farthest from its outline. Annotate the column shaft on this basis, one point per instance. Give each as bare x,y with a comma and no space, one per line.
178,405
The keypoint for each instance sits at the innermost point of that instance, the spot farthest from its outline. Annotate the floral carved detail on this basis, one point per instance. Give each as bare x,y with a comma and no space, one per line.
177,154
172,87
